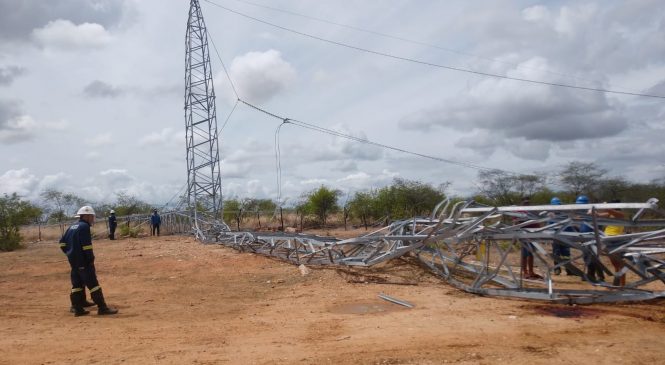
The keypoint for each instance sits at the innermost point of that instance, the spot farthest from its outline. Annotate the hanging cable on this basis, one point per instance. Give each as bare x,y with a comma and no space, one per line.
228,76
366,141
412,60
278,161
228,117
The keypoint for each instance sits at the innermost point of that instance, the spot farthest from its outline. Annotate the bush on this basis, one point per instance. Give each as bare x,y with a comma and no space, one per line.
13,213
129,231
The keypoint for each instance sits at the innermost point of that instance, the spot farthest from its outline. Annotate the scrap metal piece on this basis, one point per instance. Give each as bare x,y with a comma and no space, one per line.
396,301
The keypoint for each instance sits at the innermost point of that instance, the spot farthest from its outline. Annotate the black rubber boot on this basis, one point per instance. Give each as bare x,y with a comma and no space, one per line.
102,308
77,299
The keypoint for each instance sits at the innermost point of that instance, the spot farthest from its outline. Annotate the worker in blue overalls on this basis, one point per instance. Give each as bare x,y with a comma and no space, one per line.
113,224
560,251
76,243
155,222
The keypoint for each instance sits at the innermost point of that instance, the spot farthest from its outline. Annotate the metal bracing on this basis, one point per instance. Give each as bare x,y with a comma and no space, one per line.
475,248
204,186
478,249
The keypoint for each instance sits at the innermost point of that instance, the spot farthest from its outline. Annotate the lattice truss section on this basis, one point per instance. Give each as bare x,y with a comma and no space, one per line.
474,248
478,249
203,169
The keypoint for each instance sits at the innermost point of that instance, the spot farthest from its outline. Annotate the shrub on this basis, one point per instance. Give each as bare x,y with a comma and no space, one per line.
129,231
13,213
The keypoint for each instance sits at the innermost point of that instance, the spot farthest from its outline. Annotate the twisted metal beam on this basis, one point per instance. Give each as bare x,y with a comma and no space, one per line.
478,249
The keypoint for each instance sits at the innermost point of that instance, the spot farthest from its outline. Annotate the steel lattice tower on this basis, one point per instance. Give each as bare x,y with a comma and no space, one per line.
204,186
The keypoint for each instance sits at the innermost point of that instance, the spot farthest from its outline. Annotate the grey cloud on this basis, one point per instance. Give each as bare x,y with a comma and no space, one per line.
658,89
582,36
511,111
19,18
8,110
14,125
100,89
9,73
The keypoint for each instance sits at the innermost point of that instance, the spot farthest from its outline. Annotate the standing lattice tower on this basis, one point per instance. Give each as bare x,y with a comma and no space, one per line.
204,186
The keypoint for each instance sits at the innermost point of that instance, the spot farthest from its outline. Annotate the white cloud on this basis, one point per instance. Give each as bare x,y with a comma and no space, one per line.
64,34
20,181
259,76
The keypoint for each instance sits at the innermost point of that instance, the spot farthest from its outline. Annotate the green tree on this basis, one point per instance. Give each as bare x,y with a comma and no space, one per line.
14,212
60,206
322,202
503,188
498,187
414,198
234,211
581,177
363,207
612,188
127,204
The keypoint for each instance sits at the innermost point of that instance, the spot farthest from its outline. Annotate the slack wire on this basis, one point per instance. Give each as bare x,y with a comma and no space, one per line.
228,117
278,162
412,60
366,141
228,76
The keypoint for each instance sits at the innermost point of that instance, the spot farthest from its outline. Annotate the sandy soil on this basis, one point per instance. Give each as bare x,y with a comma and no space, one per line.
182,302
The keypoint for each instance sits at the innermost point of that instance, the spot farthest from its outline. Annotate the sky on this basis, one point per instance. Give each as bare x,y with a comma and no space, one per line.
92,93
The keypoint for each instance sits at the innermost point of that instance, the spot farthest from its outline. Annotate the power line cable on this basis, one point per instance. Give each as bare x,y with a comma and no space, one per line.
412,41
224,67
412,60
366,141
228,117
278,161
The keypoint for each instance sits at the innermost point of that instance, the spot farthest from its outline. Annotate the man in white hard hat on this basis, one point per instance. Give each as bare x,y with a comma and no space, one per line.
113,223
76,243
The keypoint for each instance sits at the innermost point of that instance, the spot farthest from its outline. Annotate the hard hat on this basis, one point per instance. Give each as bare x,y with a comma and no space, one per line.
555,201
112,211
86,209
582,199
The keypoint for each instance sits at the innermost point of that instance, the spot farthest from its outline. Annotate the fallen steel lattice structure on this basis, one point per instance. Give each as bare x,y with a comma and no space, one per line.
478,249
472,247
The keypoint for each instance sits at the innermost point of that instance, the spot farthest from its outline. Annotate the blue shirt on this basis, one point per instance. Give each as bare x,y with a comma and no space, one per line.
155,219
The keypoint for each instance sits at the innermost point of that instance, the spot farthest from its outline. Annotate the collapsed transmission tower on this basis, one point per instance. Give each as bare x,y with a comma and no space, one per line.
475,248
204,186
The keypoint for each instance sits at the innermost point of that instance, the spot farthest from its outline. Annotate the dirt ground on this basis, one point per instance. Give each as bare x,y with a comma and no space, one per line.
182,302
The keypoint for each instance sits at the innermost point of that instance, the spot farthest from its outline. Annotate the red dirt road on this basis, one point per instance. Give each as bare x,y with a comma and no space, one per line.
182,302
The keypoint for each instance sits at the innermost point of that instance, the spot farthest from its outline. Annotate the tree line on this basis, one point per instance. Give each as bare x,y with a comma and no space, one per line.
401,199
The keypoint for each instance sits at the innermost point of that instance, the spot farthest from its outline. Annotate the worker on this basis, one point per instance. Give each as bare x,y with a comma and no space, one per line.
113,224
594,271
528,247
615,230
155,222
76,243
560,252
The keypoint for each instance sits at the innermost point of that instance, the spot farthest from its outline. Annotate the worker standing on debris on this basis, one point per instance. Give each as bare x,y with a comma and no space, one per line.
614,230
527,249
560,252
594,272
76,243
155,222
113,224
